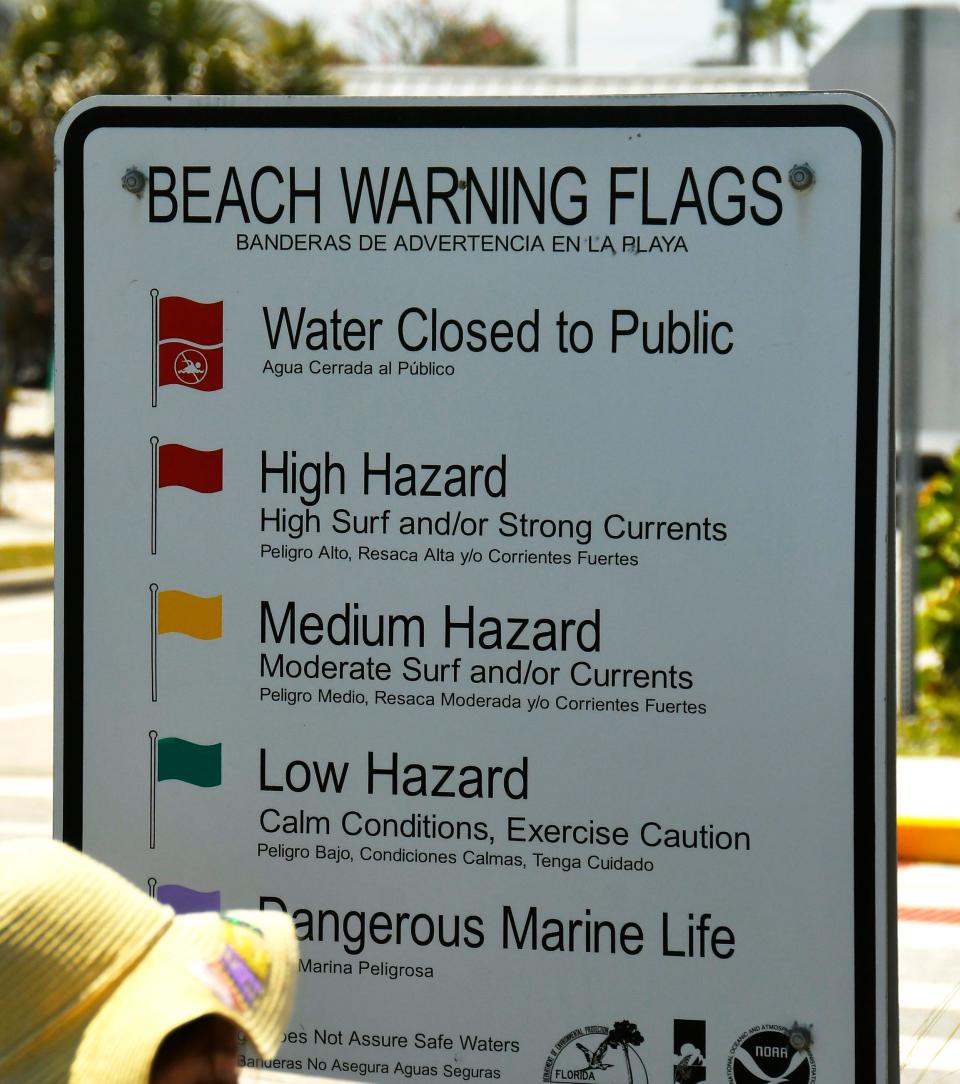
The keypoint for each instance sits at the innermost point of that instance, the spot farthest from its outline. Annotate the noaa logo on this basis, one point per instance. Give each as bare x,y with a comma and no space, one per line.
770,1054
190,366
597,1052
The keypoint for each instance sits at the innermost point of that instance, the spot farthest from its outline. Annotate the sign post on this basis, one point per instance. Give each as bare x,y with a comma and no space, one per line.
473,541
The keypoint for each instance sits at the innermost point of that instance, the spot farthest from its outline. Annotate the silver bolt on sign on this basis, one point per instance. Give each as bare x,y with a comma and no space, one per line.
133,181
802,177
801,1038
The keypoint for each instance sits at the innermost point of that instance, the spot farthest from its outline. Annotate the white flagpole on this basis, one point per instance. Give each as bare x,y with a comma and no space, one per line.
153,794
154,486
154,588
155,329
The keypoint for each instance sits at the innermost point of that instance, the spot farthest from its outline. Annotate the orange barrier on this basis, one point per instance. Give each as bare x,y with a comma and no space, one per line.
927,839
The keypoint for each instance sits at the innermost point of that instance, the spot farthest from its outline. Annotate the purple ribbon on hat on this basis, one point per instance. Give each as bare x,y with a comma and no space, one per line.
247,983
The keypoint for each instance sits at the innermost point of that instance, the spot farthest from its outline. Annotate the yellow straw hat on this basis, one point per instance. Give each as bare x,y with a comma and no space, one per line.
94,973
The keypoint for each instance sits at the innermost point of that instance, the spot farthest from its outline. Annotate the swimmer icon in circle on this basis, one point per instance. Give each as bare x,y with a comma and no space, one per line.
190,366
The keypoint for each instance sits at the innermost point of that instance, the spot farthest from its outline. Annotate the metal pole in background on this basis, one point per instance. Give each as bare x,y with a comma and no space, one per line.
744,11
571,33
908,337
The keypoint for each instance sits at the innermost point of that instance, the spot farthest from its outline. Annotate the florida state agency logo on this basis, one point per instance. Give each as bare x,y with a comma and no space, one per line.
770,1053
689,1051
190,366
598,1052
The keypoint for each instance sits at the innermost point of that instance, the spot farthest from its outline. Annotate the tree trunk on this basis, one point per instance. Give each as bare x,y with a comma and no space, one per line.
6,386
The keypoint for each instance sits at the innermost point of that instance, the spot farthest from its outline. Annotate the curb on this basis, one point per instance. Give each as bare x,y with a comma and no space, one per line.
928,839
29,554
26,579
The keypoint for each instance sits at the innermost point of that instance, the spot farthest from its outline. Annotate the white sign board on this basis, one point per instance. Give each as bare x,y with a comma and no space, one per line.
473,542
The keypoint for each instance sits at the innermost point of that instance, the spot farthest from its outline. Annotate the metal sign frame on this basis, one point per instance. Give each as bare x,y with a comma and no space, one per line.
871,802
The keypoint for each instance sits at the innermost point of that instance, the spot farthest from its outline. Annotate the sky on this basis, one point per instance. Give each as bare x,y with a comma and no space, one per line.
614,35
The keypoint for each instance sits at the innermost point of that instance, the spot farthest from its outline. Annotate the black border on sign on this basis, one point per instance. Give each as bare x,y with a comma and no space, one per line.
523,115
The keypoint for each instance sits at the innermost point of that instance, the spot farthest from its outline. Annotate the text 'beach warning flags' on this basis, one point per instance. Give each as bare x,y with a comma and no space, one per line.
179,465
177,758
187,343
178,611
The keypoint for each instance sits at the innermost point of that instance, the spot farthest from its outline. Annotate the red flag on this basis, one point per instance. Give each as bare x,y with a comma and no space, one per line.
191,468
190,343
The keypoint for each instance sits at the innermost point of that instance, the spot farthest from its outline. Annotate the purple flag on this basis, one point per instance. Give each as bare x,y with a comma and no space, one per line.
187,901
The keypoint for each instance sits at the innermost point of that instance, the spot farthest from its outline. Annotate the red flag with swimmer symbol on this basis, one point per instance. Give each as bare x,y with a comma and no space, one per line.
187,343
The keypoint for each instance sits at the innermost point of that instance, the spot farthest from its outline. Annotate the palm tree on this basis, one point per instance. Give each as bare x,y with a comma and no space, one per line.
769,21
622,1036
779,17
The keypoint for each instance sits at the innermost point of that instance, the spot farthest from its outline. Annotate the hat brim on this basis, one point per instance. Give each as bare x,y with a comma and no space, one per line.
241,966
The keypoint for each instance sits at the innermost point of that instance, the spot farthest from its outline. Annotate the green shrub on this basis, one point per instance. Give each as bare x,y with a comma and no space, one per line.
935,726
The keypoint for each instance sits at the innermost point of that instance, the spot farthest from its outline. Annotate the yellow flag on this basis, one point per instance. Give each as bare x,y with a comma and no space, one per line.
193,615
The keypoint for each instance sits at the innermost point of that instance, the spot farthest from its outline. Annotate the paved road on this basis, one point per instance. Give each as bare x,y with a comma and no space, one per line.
929,934
929,895
26,713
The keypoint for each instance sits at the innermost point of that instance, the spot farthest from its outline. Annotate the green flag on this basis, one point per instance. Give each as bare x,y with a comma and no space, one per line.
181,759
